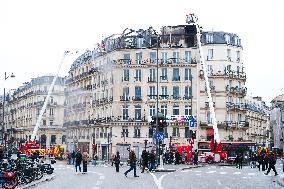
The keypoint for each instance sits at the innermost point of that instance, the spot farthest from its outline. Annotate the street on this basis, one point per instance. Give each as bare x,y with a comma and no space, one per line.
209,176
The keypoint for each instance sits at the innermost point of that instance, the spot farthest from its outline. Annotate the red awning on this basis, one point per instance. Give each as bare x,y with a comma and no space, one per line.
210,132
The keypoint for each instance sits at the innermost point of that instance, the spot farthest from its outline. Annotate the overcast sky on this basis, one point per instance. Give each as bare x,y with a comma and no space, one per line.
34,34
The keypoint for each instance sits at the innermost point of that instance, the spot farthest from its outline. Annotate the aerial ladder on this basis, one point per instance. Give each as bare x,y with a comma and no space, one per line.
215,145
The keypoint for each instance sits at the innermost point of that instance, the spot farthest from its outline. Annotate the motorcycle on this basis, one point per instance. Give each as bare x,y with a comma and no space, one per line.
46,168
8,180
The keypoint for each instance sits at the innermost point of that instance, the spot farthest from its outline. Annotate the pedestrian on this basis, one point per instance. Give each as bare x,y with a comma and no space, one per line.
78,160
73,157
95,160
271,163
177,157
144,157
132,162
152,161
116,160
241,159
237,159
263,161
195,158
266,161
85,158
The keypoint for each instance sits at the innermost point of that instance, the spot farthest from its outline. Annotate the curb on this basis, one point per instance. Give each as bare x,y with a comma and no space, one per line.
185,168
280,180
35,183
165,170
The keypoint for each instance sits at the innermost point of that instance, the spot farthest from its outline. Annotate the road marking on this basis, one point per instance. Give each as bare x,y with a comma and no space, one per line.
223,173
102,177
198,174
251,174
99,182
208,168
211,172
198,171
244,177
158,182
221,168
218,181
185,171
214,167
227,187
236,173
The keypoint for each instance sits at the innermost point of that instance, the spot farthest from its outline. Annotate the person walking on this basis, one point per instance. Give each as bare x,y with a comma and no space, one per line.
144,160
152,161
241,159
266,161
195,158
85,158
177,157
237,160
78,160
132,161
116,161
271,163
73,157
95,160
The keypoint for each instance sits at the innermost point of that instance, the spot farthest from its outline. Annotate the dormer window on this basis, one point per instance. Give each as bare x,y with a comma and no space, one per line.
237,41
227,38
209,38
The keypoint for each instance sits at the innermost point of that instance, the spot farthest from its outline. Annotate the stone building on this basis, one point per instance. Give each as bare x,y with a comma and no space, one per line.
111,91
23,108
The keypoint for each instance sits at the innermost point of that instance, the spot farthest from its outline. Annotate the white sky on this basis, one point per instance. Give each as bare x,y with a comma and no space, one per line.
34,34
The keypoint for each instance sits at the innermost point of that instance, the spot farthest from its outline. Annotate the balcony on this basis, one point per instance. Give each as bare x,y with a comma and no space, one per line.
152,97
177,78
124,98
212,88
164,97
236,90
137,98
151,79
207,104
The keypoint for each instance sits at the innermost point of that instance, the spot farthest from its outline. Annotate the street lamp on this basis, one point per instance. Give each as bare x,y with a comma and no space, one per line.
3,106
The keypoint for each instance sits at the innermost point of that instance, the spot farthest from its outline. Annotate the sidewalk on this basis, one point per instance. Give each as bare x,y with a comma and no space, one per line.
280,180
33,184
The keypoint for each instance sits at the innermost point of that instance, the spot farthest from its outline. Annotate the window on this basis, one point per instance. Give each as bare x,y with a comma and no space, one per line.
152,75
229,54
209,118
211,84
209,38
227,38
210,54
229,117
175,92
238,69
125,75
238,56
230,99
187,92
164,57
50,122
175,57
164,92
153,57
209,69
138,58
124,113
138,112
187,74
45,89
51,111
138,75
237,41
140,42
152,110
239,84
176,74
44,122
137,132
187,110
230,83
125,93
176,110
152,92
126,58
187,57
175,132
124,132
137,92
164,75
164,109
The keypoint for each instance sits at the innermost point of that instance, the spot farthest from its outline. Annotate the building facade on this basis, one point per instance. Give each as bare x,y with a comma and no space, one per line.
23,108
276,123
115,89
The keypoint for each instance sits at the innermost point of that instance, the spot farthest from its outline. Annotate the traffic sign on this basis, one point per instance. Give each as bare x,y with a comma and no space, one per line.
191,122
160,136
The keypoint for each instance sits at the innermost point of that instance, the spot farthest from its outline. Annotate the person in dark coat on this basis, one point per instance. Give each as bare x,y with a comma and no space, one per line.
132,161
195,158
259,160
85,158
144,160
266,161
271,163
237,161
78,160
152,161
241,159
116,161
177,156
73,157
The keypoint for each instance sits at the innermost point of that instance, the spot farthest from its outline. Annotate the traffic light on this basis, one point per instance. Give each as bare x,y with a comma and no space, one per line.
194,135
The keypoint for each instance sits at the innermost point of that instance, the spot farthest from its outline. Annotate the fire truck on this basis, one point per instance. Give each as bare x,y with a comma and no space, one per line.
32,147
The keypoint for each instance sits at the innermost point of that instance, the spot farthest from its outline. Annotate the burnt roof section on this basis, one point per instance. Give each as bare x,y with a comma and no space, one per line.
179,36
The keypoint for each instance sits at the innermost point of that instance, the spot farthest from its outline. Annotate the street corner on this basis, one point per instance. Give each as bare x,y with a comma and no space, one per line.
34,184
280,180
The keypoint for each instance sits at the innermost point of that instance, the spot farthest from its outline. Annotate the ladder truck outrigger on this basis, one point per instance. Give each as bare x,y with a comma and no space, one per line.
217,154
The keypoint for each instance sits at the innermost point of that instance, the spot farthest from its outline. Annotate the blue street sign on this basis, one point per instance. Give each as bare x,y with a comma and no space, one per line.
191,122
160,136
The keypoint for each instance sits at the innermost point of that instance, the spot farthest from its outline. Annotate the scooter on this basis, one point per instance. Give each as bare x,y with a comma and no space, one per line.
8,180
